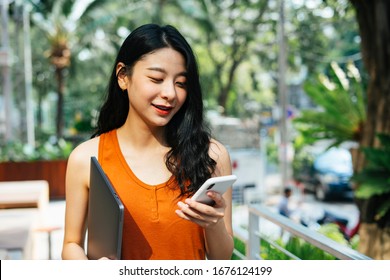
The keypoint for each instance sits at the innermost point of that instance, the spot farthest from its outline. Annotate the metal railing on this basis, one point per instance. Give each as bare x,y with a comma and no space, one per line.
252,237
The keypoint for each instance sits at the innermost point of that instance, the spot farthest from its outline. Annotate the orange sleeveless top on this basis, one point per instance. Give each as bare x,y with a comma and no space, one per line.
151,229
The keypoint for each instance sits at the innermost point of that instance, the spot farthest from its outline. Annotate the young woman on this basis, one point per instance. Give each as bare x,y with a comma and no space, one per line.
152,143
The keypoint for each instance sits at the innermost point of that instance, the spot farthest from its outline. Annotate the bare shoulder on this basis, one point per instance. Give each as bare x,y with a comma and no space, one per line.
217,149
220,154
79,161
84,151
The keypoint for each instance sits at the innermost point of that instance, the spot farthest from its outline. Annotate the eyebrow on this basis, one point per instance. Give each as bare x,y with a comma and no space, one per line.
158,69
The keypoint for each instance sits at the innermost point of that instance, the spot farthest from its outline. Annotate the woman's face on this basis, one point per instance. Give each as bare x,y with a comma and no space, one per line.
156,87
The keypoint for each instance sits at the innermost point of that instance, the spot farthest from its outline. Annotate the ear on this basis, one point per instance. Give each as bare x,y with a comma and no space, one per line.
121,75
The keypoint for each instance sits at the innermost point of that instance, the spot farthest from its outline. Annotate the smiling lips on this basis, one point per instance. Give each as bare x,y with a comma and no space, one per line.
163,110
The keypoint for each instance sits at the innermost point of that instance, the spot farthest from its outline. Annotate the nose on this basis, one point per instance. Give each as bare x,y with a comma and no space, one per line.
168,91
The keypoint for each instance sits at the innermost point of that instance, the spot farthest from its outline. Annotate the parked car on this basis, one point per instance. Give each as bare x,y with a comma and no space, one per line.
329,175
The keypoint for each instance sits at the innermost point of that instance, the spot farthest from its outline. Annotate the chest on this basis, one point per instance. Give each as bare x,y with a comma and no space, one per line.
148,167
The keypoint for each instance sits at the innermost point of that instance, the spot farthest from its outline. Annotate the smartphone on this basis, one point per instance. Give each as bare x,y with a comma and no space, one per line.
218,184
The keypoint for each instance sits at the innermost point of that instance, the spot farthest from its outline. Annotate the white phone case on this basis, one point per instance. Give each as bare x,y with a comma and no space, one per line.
218,184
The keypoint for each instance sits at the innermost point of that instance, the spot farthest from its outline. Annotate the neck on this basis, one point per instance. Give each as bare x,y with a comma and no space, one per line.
142,136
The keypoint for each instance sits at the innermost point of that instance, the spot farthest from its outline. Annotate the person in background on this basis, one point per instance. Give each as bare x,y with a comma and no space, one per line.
283,206
152,143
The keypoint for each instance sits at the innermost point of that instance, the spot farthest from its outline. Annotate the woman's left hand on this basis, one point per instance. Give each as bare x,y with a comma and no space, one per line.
202,214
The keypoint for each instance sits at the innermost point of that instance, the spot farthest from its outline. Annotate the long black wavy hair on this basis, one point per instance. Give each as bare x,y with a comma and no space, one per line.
187,135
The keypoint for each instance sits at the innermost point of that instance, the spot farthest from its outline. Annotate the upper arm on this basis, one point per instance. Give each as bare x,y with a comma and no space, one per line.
220,154
77,192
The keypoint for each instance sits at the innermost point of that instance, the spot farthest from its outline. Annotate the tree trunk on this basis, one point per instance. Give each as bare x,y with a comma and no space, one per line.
374,23
224,93
60,102
238,54
374,241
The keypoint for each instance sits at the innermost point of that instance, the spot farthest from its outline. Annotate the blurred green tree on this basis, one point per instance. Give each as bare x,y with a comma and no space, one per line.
373,18
59,21
341,112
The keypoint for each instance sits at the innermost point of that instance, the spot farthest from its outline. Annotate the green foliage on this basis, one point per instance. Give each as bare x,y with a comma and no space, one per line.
229,37
332,231
306,251
354,242
303,159
83,125
240,247
299,247
341,112
272,152
374,179
269,252
18,151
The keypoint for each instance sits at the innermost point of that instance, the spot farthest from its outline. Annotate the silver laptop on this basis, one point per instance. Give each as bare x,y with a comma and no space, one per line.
105,216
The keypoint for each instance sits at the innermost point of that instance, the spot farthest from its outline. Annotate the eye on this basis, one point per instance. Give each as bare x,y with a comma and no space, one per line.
156,80
181,84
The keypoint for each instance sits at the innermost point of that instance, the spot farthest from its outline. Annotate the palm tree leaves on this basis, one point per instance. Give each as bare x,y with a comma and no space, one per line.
374,179
340,112
59,22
